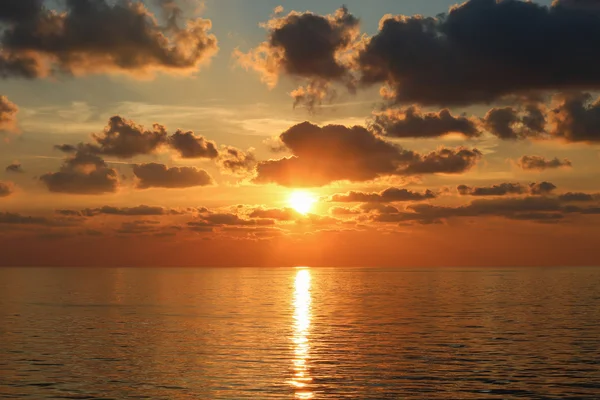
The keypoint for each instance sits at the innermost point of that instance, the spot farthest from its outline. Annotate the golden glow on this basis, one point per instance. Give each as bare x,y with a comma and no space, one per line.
302,201
302,316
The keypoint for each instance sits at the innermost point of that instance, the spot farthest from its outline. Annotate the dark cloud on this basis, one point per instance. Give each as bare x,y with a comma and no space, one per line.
389,195
141,210
338,153
6,189
483,50
159,176
494,190
539,163
15,168
83,173
18,219
513,208
309,46
504,189
509,123
125,139
578,197
98,36
188,145
280,214
443,160
343,211
237,161
413,123
575,118
8,111
139,227
541,188
379,208
66,148
208,221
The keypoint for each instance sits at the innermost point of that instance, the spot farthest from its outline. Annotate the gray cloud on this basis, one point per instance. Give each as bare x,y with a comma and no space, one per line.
97,36
576,118
8,112
125,139
280,214
155,175
389,195
139,211
481,51
539,163
504,189
306,45
191,146
6,189
15,168
237,161
509,123
413,123
82,173
572,197
541,188
322,155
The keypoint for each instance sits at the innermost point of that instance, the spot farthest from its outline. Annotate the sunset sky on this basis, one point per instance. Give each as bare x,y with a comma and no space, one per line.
268,133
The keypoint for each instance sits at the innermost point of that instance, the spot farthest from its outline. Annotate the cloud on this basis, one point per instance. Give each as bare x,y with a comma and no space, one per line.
126,139
191,146
138,227
444,160
539,163
208,221
343,211
6,189
413,123
82,173
494,190
526,208
308,46
8,113
18,219
572,197
483,50
389,195
541,188
97,36
141,210
15,168
279,214
504,189
155,175
322,155
236,161
575,118
508,123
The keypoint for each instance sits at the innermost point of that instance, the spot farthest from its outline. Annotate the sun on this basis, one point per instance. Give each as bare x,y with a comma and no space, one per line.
302,201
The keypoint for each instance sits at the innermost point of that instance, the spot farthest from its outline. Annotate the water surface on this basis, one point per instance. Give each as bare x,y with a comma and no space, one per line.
328,333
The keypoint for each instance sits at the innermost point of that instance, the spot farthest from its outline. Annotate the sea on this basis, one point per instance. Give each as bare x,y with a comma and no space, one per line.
300,333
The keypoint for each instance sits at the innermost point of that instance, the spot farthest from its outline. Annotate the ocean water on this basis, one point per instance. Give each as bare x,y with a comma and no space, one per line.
302,333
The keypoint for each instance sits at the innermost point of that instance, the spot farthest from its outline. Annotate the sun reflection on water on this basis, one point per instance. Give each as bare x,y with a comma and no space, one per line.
302,316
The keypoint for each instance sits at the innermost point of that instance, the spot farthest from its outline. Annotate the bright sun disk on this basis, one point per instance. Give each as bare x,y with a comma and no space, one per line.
301,201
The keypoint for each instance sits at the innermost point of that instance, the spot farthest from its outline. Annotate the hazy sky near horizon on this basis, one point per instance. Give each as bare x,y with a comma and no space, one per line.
175,132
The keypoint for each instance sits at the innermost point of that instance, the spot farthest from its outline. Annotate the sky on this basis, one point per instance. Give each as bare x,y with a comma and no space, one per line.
284,133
